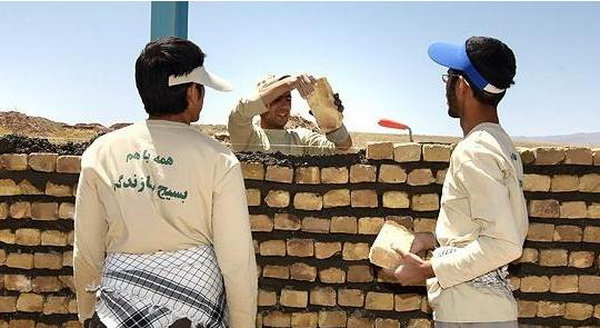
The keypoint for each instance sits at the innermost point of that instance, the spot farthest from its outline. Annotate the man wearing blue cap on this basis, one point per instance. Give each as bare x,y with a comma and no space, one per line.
483,221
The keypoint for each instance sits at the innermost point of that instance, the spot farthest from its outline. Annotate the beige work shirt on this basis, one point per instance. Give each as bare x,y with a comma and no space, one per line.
159,186
247,136
483,212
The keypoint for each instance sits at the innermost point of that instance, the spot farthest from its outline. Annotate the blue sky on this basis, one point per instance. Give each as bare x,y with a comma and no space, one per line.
73,62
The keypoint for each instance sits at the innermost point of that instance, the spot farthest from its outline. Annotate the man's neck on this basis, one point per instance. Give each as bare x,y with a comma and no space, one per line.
476,116
180,117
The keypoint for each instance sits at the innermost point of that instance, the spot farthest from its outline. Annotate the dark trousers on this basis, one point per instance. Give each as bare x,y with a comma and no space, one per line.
95,322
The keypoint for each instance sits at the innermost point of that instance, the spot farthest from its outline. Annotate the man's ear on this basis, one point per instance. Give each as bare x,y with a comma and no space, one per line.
463,85
191,93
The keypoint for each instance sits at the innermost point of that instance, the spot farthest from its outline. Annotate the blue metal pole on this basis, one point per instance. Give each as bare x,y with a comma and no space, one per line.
169,18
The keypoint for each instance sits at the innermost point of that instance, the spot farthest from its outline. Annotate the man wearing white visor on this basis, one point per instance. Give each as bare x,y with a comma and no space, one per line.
483,221
162,234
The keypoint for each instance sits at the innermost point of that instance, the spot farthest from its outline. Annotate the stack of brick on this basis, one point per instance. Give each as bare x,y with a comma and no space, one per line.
313,221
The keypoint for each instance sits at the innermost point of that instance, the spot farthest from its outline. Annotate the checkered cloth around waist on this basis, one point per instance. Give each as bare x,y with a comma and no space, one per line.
495,280
155,290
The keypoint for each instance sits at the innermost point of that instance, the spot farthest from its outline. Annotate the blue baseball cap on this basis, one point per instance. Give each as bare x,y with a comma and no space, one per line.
456,57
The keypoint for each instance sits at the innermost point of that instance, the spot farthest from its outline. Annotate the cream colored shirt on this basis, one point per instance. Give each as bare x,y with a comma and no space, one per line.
247,136
483,211
158,186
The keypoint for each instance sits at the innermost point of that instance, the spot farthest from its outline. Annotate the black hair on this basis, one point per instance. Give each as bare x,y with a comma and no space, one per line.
159,60
496,62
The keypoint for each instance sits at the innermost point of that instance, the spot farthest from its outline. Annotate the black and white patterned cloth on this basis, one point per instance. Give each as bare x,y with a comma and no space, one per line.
496,280
155,290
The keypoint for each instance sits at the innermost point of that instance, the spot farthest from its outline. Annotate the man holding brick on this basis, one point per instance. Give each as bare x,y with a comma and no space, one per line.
273,102
162,234
483,220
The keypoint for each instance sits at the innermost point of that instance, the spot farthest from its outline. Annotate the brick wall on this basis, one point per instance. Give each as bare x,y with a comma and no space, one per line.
313,220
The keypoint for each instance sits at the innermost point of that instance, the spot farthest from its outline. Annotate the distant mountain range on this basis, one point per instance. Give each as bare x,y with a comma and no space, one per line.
580,139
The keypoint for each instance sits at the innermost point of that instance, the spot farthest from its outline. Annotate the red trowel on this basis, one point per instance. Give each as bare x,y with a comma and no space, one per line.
396,125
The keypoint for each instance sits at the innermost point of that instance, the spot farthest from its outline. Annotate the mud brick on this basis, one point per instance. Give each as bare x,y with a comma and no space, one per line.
256,247
581,259
2,261
280,174
253,170
355,321
72,324
596,156
527,309
276,271
21,323
67,281
7,236
548,155
27,237
536,182
355,251
73,306
308,201
332,319
9,188
568,233
261,222
44,211
58,190
56,305
325,296
364,198
47,261
548,309
71,238
67,258
253,197
391,174
370,226
407,302
386,323
303,272
362,173
440,176
591,234
590,183
597,311
29,302
515,283
593,211
334,175
294,298
554,257
578,311
563,182
308,175
42,284
424,225
386,277
336,198
436,152
359,273
332,276
578,156
13,162
53,238
315,225
8,304
277,319
527,155
564,284
272,248
420,177
547,208
535,284
407,152
44,162
380,150
300,247
66,210
529,255
27,188
75,186
17,282
305,320
286,221
589,284
20,210
266,298
4,211
351,297
573,210
344,224
278,198
20,261
419,323
425,202
259,320
68,164
540,232
324,250
396,199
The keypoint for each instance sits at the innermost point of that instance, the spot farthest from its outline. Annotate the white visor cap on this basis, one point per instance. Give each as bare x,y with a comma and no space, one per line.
201,76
